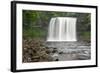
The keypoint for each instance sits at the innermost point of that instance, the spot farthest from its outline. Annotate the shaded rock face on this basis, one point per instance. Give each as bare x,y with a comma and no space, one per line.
35,51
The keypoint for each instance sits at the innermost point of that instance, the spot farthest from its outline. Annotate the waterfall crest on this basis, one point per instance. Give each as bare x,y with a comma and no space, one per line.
62,29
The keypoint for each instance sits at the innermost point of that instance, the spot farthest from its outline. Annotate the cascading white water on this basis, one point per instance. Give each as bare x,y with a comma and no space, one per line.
62,29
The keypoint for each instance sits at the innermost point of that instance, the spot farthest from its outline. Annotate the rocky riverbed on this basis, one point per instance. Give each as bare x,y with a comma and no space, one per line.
36,50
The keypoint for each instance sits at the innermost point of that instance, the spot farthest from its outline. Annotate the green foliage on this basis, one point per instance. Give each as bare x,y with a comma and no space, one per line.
34,33
35,23
85,36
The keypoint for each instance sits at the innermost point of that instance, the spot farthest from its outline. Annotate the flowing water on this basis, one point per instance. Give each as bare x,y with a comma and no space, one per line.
62,36
62,29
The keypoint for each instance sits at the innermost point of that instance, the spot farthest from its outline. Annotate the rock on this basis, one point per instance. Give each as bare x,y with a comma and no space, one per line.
35,57
55,56
60,52
25,49
35,60
48,52
35,51
57,60
54,51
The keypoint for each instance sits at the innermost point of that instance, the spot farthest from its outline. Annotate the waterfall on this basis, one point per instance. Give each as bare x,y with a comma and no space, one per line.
62,29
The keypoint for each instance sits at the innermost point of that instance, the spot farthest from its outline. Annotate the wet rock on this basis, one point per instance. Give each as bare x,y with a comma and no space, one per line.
57,60
55,56
35,57
54,51
35,60
60,52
